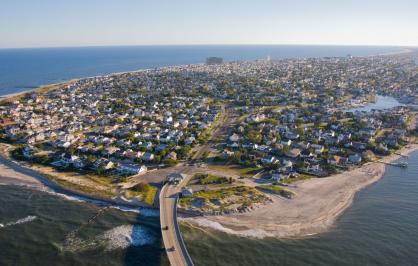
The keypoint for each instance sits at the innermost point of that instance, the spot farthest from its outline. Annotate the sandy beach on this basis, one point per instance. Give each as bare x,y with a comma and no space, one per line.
313,210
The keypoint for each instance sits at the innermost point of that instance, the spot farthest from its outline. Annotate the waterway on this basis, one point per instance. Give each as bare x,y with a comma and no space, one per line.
381,103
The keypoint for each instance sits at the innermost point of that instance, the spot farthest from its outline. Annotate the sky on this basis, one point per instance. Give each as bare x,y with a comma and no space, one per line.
54,23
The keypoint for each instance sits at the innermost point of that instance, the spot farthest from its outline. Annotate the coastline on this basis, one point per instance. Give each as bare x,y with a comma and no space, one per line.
314,209
402,50
306,213
15,174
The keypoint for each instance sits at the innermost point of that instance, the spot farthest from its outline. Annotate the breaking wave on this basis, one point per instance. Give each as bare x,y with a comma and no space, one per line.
139,210
254,233
27,219
142,211
120,237
125,236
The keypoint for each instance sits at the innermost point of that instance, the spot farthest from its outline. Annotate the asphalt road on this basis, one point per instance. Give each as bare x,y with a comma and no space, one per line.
171,235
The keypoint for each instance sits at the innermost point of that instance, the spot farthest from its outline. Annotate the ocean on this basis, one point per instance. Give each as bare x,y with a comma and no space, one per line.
39,228
23,69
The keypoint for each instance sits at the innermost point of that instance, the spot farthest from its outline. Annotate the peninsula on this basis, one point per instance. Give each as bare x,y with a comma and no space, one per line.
271,147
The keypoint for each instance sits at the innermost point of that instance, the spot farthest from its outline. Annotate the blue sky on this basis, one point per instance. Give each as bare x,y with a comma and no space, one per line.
48,23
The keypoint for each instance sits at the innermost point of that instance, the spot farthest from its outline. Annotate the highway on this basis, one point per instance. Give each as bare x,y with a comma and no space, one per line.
169,226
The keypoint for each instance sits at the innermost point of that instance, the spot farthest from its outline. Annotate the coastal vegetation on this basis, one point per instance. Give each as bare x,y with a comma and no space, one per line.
208,179
143,192
275,189
233,199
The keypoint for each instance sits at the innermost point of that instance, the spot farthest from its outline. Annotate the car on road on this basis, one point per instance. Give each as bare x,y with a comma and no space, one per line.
165,227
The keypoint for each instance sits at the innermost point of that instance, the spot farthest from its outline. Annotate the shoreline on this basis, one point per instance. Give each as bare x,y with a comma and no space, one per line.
3,97
14,174
314,209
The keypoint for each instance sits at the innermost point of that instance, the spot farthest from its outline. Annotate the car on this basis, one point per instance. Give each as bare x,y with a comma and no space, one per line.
165,227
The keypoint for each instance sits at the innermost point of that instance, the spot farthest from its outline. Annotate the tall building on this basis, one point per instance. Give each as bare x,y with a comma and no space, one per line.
214,60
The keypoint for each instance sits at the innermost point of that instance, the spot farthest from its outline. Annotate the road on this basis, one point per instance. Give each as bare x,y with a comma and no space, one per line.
219,127
169,196
168,217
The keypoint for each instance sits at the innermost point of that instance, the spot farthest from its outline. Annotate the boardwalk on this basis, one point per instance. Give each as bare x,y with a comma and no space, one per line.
173,242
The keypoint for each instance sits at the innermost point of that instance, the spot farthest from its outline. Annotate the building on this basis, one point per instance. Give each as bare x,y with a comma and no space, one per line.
214,60
130,169
175,178
186,192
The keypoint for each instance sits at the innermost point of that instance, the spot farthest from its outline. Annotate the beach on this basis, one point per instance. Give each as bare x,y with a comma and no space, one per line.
314,209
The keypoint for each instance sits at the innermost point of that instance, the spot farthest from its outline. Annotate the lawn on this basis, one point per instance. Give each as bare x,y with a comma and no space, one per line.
233,169
207,179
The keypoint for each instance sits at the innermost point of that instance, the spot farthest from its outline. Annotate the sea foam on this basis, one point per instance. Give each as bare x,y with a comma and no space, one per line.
125,236
254,233
20,221
120,237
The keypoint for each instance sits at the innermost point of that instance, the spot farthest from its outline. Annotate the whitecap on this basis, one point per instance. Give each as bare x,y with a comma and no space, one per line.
120,237
142,211
254,233
124,236
20,221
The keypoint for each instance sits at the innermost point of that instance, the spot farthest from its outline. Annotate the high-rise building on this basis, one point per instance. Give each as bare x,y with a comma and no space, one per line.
214,60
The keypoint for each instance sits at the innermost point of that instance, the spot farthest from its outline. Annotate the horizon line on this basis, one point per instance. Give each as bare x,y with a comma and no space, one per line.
220,44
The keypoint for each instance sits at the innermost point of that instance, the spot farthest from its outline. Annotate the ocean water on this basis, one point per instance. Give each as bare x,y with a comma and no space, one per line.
380,228
37,228
22,69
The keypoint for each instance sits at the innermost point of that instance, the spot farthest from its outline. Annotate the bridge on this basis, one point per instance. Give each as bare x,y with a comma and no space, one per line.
173,242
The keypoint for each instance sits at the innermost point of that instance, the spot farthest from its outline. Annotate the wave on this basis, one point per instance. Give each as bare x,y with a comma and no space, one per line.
27,219
139,210
142,211
253,233
124,236
120,237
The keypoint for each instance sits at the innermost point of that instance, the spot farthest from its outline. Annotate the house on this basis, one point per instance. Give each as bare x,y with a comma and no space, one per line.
147,156
291,135
187,192
286,142
190,140
104,164
318,148
268,160
354,158
313,168
130,169
334,160
172,156
293,153
279,176
234,138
